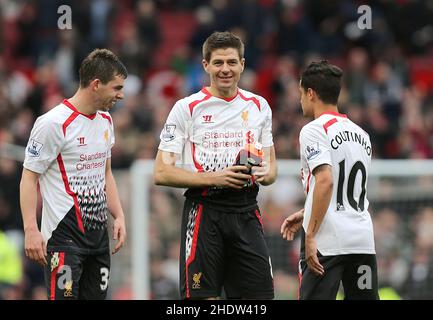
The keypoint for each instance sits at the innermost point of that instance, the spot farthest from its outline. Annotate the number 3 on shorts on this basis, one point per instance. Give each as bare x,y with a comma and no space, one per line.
104,278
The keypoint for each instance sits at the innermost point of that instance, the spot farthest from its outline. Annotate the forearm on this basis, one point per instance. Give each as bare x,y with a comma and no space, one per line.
113,200
167,174
28,202
321,199
177,177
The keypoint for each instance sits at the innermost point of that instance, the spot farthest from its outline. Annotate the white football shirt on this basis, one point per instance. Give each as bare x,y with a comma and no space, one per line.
208,132
335,140
69,150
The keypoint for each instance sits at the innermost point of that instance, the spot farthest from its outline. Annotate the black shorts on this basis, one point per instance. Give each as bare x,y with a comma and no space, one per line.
223,249
357,272
77,276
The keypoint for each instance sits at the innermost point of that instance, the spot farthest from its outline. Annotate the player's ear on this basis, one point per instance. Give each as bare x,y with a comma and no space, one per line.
205,65
94,84
242,64
310,93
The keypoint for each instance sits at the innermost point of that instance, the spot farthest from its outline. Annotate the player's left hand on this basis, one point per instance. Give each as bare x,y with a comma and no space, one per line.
311,256
260,172
119,233
292,224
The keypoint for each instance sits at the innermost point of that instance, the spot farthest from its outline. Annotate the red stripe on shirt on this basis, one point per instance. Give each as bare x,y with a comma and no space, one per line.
54,274
72,107
308,182
197,165
333,113
193,104
199,168
205,91
259,217
69,121
69,191
194,246
253,99
328,124
106,117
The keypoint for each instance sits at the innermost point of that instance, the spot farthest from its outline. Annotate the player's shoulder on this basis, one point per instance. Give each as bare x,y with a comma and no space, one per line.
314,126
195,97
55,116
260,101
359,128
106,116
188,103
319,124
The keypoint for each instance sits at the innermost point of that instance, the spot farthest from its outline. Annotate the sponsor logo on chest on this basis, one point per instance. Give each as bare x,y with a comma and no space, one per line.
81,141
207,118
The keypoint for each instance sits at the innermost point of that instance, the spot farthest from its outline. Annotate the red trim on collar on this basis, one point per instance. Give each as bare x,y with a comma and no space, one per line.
206,92
72,107
253,99
333,113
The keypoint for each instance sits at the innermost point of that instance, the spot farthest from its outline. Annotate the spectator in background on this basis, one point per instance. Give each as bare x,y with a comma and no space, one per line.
11,269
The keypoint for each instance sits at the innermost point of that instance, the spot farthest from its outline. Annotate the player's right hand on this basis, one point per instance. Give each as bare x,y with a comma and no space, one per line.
311,258
35,246
232,177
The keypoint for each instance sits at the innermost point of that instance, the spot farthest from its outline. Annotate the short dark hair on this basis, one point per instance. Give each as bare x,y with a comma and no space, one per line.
101,64
325,79
222,40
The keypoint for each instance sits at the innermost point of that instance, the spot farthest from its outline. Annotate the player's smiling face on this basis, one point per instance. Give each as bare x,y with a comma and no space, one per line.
225,68
110,93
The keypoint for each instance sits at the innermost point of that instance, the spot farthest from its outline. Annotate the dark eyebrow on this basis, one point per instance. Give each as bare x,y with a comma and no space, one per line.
118,87
221,60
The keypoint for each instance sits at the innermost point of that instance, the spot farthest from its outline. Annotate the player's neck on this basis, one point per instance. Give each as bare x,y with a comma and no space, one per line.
226,94
322,108
82,103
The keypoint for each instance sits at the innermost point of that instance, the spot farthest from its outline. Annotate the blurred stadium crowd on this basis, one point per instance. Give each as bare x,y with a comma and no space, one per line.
387,90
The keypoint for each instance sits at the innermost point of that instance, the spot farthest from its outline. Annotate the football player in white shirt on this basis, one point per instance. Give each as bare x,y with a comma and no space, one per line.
218,134
69,155
337,238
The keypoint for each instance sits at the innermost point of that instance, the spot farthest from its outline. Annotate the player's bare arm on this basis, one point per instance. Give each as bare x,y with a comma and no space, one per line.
292,224
167,174
266,173
115,208
35,246
321,198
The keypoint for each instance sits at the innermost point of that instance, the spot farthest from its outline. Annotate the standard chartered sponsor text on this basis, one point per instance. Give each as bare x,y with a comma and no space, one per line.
225,139
87,161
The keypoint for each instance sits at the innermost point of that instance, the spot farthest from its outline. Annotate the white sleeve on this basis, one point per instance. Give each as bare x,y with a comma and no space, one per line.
266,135
112,137
314,146
175,129
45,142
